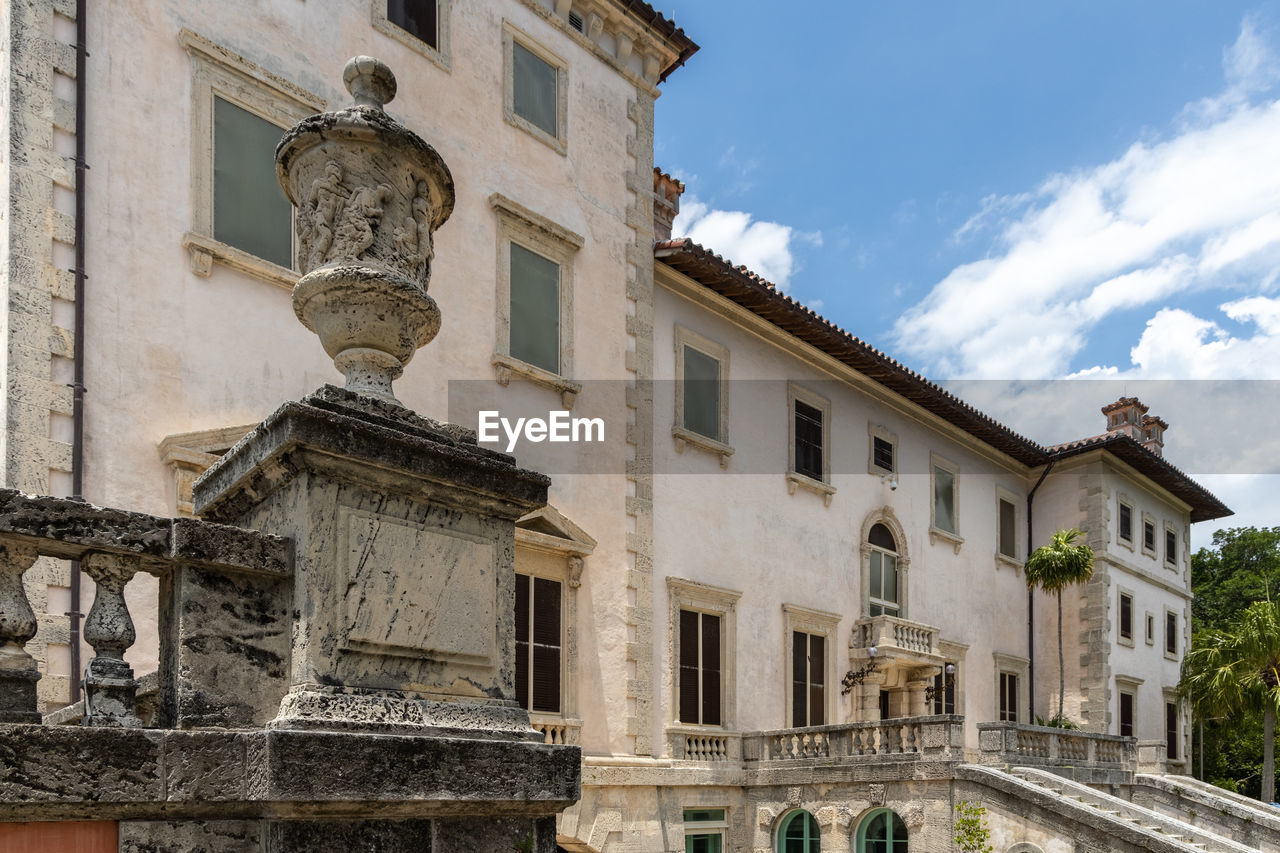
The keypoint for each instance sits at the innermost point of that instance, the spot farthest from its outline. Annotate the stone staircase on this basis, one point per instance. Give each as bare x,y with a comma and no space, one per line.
1083,812
1210,808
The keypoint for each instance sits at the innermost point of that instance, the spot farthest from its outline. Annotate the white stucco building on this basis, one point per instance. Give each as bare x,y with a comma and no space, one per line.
784,529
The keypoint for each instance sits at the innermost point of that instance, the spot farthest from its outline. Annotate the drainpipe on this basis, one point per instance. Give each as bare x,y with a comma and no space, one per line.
1031,610
77,386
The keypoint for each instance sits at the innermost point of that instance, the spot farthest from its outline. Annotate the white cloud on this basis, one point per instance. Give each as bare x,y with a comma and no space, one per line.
1194,211
766,248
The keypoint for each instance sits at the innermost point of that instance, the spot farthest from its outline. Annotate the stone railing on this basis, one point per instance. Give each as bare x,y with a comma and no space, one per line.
890,632
557,730
225,585
937,737
1020,744
690,743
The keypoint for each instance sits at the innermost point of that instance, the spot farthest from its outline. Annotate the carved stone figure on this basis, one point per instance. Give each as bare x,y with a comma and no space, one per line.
413,238
360,217
323,205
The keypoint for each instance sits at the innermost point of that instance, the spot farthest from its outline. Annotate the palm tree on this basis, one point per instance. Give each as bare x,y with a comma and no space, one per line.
1053,568
1237,671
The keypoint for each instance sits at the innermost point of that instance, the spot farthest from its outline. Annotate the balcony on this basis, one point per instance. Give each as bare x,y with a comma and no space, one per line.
923,738
1087,757
893,656
897,637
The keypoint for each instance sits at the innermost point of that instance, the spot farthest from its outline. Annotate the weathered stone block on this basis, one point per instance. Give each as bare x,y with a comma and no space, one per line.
204,836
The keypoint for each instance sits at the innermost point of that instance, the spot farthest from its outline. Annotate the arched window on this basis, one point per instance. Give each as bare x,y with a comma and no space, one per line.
882,832
885,598
799,834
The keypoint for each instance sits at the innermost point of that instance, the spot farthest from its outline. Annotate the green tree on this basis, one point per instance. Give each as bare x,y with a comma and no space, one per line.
1053,568
1236,671
971,832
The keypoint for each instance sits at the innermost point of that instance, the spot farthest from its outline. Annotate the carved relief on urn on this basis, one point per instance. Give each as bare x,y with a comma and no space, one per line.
369,194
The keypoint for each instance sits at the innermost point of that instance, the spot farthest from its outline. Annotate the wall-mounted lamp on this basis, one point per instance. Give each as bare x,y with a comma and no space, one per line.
854,678
948,681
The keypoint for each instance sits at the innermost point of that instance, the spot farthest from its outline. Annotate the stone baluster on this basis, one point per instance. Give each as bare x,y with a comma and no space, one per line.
18,670
110,690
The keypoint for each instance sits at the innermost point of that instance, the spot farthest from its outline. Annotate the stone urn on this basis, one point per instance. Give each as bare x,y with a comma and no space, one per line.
369,195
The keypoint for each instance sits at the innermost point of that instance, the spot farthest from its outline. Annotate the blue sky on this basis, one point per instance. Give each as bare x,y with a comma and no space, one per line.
1000,190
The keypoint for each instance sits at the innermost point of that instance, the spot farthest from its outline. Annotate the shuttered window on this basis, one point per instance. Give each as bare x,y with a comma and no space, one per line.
1171,730
538,648
1170,633
1126,714
1126,616
1126,522
1170,547
808,680
699,668
808,440
882,453
249,210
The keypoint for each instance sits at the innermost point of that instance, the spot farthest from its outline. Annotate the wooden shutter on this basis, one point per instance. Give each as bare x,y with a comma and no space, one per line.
689,666
710,670
546,646
799,680
817,686
522,639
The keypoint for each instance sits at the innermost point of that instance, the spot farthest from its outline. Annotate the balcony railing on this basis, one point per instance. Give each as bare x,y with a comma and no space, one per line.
936,737
889,633
1018,743
691,743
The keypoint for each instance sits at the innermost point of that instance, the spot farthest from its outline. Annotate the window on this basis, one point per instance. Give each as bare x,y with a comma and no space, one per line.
1126,713
1171,730
702,643
808,679
1126,523
416,17
944,688
702,394
799,833
1151,630
704,830
1008,697
884,572
1170,546
882,832
536,84
809,433
699,668
1149,536
881,453
1007,528
944,518
1170,633
535,298
421,25
1126,616
538,644
239,216
882,458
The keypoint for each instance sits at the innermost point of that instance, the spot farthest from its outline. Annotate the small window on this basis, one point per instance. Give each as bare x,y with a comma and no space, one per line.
882,832
884,594
1151,630
1170,632
1170,547
1008,697
704,830
699,668
702,393
1171,730
1008,532
808,421
535,95
538,643
799,833
1126,616
882,453
808,679
416,17
944,500
1148,536
944,689
1126,522
535,309
1126,713
575,21
249,210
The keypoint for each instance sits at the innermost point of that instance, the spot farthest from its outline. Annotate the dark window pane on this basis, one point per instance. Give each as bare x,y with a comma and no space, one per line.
1170,546
522,639
1126,714
701,393
249,210
882,538
535,309
689,666
535,89
944,500
416,17
882,453
1008,530
1126,523
1171,633
1171,730
808,440
710,670
799,683
546,646
1148,535
817,687
1126,616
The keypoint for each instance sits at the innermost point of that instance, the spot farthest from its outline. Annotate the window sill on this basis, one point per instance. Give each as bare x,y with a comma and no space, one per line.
408,39
205,250
1124,543
1173,656
794,479
1127,642
1009,562
557,143
1149,552
684,436
936,533
506,366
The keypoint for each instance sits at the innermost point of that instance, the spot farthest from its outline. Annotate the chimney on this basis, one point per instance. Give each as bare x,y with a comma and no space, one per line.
1125,416
1154,429
666,203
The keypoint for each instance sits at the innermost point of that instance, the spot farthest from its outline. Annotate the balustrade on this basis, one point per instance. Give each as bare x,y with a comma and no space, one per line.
1017,743
934,737
18,670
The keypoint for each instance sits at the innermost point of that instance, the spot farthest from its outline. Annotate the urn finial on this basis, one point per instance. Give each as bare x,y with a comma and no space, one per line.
369,195
369,81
